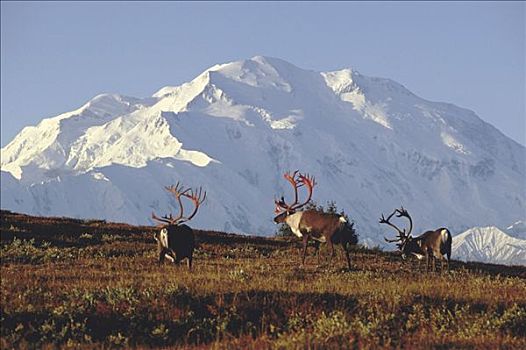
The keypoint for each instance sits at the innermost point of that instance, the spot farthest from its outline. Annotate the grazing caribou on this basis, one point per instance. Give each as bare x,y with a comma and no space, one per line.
431,244
311,223
175,240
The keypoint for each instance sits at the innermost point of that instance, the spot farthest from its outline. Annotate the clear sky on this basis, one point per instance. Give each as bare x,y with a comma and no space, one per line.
55,56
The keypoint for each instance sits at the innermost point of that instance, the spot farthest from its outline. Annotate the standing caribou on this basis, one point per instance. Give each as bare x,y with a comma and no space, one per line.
311,223
175,240
431,244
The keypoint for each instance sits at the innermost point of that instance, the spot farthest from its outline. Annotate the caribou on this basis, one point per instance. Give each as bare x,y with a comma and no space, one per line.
431,244
321,227
175,240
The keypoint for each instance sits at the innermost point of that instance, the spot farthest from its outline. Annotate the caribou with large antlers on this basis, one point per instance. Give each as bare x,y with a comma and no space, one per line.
311,223
431,244
175,240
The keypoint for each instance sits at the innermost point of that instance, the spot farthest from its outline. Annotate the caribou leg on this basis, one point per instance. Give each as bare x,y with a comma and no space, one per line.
442,259
305,241
331,247
161,256
347,254
428,258
318,250
165,253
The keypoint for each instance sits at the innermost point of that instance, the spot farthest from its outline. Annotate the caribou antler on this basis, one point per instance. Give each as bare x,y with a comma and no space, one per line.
294,183
197,197
403,212
297,180
309,182
401,233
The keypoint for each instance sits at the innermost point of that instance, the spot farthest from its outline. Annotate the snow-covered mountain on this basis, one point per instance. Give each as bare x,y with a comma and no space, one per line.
489,245
371,143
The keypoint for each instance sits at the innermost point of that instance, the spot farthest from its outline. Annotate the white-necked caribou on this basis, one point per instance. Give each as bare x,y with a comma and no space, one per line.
431,244
311,223
175,240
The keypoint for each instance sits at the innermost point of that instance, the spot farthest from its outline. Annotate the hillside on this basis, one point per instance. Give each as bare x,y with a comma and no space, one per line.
94,284
370,142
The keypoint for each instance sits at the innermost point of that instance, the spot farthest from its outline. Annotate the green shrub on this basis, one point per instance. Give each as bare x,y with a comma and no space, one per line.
28,252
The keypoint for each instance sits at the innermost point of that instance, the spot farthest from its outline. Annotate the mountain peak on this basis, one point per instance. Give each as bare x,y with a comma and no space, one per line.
258,72
489,244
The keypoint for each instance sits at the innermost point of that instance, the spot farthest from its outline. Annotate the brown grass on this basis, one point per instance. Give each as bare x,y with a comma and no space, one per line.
91,284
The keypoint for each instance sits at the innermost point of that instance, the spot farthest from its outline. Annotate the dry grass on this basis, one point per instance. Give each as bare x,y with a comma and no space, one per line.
91,284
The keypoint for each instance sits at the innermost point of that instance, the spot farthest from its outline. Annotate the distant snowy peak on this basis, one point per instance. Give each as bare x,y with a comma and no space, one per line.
230,90
257,72
272,91
489,245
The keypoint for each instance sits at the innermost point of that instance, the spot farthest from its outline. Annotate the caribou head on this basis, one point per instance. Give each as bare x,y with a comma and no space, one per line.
403,236
297,180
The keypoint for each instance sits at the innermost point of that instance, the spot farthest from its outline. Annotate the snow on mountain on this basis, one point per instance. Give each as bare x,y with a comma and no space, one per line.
234,129
517,230
489,245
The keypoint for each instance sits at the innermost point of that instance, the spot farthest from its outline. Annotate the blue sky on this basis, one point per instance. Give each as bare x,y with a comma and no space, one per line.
55,56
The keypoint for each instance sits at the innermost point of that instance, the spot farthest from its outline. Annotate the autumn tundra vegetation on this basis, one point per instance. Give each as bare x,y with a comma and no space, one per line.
69,283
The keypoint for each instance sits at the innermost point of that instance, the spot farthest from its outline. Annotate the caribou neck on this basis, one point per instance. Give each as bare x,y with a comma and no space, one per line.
294,220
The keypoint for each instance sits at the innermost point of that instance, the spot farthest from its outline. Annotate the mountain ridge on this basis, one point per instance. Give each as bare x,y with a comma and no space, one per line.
489,245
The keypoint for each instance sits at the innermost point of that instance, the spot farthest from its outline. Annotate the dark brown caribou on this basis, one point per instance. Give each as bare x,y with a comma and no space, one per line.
176,240
431,244
311,223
